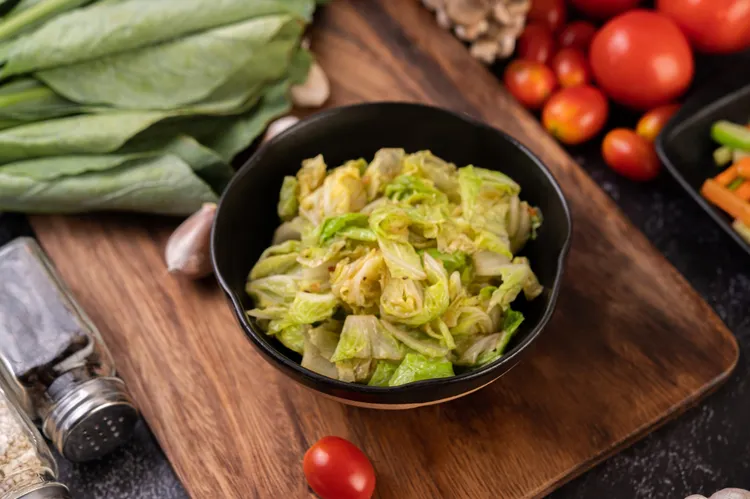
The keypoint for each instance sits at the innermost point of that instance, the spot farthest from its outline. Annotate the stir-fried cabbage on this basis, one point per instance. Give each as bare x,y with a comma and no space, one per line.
396,271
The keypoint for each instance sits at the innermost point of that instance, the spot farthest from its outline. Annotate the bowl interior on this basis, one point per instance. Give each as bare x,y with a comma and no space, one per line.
685,145
247,214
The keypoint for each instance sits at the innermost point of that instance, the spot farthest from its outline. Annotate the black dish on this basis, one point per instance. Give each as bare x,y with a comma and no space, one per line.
246,219
685,145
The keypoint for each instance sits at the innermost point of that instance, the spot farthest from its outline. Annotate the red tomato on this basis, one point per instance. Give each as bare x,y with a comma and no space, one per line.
548,12
536,43
711,25
650,125
604,9
641,59
571,68
530,82
630,155
575,114
578,35
336,469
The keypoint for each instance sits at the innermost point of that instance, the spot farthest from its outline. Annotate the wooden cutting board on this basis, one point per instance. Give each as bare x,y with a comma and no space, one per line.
631,344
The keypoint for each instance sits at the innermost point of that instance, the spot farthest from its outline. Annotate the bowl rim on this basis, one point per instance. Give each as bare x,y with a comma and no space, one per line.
277,356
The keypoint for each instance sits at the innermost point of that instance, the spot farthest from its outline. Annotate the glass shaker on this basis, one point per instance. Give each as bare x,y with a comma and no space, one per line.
54,361
27,469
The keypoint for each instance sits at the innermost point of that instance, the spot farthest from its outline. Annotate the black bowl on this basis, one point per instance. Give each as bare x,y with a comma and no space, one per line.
246,220
685,145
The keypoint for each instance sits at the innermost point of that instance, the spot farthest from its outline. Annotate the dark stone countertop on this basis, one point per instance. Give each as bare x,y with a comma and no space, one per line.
704,450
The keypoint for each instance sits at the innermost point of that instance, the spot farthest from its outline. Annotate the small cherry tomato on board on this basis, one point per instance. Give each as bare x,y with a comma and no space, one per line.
530,82
551,13
575,114
713,26
636,68
651,123
571,68
604,9
577,35
536,43
630,155
336,469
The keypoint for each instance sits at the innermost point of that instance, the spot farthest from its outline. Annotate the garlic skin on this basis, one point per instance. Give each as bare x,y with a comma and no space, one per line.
188,251
279,126
725,494
315,91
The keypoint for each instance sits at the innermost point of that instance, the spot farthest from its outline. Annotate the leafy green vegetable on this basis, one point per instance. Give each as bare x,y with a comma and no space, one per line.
164,185
383,373
416,367
415,255
308,308
335,225
28,15
453,262
107,28
288,205
183,71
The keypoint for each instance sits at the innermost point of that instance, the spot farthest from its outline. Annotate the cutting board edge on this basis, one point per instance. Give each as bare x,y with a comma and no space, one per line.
639,433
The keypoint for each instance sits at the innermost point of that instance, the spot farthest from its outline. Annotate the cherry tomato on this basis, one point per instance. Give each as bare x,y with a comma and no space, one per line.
650,125
630,155
536,43
714,26
577,35
336,469
530,82
636,68
571,68
604,9
550,13
575,114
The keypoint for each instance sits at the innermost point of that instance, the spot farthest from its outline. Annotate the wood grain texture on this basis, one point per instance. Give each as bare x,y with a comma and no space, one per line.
630,346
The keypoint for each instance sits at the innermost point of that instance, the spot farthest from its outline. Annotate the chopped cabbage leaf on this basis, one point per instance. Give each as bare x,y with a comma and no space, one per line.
288,203
385,166
363,337
383,373
416,367
394,271
308,308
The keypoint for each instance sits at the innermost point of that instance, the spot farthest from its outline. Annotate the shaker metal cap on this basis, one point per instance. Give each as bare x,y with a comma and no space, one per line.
92,419
48,491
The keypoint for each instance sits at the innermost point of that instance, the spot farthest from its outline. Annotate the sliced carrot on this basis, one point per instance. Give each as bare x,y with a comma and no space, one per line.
743,167
726,200
743,191
727,176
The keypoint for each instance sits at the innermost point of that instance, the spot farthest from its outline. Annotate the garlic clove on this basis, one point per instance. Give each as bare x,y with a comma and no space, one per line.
315,91
442,19
188,250
731,494
279,126
471,33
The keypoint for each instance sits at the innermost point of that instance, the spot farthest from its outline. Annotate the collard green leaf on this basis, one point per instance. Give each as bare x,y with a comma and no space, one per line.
182,71
29,100
86,134
164,185
107,28
28,15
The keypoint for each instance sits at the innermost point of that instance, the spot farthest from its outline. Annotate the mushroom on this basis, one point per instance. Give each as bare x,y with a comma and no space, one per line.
485,50
471,33
491,26
467,12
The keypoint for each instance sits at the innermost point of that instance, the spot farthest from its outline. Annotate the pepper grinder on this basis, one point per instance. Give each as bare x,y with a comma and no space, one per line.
54,361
